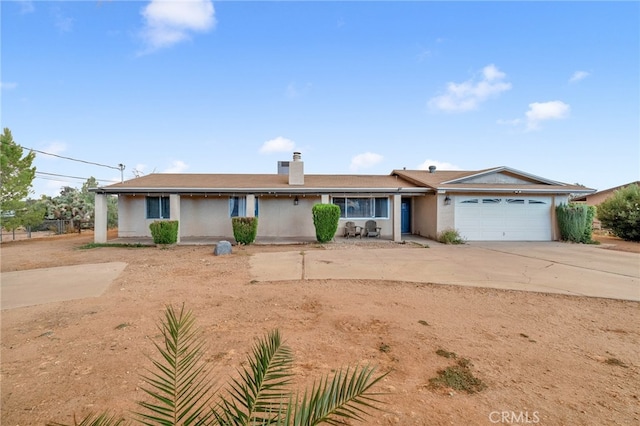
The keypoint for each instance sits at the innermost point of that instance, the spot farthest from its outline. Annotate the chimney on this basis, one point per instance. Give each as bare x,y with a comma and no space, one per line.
432,169
296,170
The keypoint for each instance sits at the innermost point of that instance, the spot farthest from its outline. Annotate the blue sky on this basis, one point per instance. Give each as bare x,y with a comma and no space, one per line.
194,86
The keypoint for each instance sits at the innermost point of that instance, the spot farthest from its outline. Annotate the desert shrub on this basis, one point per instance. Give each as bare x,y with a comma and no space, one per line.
450,236
245,229
458,377
620,213
181,389
325,220
572,221
587,237
164,231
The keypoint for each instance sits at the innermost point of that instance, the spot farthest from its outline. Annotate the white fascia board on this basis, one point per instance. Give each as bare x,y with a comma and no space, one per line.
518,190
259,190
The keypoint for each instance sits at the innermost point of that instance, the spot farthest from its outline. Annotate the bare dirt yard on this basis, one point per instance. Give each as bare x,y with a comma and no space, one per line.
545,359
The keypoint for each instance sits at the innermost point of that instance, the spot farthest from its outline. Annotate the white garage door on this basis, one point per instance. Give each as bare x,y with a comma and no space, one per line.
503,218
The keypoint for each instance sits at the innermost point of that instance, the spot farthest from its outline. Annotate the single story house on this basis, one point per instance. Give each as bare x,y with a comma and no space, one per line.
596,198
492,204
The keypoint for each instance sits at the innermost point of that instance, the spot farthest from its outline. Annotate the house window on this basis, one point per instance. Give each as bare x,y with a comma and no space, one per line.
515,201
491,200
158,208
362,207
536,202
238,207
471,201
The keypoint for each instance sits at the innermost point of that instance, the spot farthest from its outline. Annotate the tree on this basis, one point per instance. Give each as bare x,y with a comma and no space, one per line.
620,213
16,172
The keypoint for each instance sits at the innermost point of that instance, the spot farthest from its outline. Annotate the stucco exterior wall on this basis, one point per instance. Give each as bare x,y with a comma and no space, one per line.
446,213
424,216
279,217
205,217
131,217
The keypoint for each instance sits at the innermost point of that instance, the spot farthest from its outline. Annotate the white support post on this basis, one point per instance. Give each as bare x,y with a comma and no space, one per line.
100,220
174,207
397,218
251,205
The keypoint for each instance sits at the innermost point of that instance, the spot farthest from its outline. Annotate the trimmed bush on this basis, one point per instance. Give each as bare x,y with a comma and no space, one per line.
573,221
450,236
164,231
325,220
620,213
245,229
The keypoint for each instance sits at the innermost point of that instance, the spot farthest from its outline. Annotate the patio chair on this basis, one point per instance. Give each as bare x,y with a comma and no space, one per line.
351,230
371,229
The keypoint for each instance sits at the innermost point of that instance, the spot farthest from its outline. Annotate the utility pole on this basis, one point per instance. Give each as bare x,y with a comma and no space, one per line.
121,166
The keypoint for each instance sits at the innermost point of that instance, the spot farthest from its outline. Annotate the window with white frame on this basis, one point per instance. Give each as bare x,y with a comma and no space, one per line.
158,208
362,207
238,207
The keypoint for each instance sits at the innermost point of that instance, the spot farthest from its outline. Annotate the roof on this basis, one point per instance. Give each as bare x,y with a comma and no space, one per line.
261,183
498,179
604,191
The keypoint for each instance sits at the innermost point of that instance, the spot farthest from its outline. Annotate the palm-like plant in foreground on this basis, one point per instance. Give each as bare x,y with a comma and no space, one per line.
182,393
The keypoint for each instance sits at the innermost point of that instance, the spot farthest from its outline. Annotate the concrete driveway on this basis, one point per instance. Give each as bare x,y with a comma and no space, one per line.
542,267
551,267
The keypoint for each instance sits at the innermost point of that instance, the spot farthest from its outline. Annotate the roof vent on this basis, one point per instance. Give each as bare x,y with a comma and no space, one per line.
297,156
432,169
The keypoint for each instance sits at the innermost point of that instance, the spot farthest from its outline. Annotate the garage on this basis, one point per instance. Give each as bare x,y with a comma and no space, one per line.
495,218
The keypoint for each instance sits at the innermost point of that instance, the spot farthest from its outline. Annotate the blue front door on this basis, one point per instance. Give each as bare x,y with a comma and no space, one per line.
405,216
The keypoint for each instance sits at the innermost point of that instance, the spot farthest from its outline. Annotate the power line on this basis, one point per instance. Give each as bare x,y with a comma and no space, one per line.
72,177
121,166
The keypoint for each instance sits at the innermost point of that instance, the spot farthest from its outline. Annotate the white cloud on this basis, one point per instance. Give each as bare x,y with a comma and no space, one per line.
177,166
294,91
62,22
439,165
55,147
52,188
364,161
468,95
169,22
542,111
578,75
26,6
138,170
6,85
278,144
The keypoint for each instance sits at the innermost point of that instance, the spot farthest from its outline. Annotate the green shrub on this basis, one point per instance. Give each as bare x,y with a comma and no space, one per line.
450,236
587,237
573,221
164,231
620,213
325,220
245,229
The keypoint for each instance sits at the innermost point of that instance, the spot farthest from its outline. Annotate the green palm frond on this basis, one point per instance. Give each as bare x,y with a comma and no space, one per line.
346,396
256,398
103,419
180,386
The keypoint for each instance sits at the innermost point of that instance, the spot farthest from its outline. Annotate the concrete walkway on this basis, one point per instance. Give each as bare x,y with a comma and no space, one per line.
37,286
541,267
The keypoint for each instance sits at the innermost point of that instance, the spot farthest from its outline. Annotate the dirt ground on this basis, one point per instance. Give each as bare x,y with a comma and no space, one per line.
546,359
